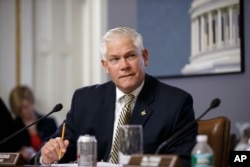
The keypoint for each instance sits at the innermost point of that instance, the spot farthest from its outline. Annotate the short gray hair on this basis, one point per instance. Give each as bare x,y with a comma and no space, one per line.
121,31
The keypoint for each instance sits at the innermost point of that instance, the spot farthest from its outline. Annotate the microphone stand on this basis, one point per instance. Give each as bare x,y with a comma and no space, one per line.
57,108
167,160
215,103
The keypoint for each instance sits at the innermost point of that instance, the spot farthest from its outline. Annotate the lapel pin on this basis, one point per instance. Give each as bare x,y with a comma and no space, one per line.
143,113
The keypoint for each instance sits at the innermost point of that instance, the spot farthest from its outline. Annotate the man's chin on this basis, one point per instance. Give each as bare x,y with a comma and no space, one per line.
127,88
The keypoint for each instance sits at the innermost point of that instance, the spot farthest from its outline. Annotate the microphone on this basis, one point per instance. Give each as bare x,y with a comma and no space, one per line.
57,108
215,103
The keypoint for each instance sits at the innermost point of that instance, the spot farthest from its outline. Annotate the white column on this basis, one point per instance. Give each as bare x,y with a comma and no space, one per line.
210,30
202,35
192,38
235,25
27,43
61,66
219,29
68,21
230,26
237,37
94,27
205,38
86,58
226,27
197,35
43,54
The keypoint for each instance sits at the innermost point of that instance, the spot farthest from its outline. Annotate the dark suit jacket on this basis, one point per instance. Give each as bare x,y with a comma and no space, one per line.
168,109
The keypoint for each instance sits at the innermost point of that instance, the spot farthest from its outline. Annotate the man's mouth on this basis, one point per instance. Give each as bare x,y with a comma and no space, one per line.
124,76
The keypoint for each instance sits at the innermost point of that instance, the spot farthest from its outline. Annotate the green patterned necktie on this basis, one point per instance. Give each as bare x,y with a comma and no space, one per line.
124,117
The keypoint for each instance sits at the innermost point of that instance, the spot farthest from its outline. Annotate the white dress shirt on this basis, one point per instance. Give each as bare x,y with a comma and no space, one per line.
120,102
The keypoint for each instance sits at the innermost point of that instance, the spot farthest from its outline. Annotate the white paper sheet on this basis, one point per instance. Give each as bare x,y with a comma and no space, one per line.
99,164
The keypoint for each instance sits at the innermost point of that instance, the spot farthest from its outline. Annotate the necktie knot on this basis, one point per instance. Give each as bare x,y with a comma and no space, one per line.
128,99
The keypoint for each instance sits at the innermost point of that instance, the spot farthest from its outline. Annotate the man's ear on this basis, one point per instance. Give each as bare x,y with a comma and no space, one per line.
145,56
104,64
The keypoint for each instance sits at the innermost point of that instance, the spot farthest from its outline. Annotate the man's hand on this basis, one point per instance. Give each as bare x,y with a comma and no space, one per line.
51,150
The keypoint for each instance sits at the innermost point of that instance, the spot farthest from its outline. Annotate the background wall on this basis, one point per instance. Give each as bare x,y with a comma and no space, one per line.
8,46
232,89
121,13
166,28
59,49
7,61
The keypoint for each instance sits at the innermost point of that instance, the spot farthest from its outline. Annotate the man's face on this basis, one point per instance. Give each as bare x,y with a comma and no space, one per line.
125,63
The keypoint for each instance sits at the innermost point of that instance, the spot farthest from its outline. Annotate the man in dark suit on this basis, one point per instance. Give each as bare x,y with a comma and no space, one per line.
161,109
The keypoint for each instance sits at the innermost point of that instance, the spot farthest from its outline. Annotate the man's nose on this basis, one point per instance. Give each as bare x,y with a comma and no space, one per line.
124,63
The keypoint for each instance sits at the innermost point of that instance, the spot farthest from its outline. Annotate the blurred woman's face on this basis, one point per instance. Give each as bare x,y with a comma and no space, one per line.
27,109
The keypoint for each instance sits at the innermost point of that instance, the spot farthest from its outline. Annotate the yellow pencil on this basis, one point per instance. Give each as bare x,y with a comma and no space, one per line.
62,136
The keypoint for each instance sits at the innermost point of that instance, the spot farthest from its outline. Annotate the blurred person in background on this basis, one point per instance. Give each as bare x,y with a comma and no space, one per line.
22,104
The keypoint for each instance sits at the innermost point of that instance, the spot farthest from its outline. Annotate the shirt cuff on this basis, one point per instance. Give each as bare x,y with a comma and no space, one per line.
41,162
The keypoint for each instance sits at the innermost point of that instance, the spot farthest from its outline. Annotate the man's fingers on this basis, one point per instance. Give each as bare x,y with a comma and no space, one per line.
63,150
66,143
62,147
48,156
51,150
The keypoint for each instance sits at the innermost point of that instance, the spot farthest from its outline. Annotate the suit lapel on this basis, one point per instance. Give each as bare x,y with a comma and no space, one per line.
142,111
140,114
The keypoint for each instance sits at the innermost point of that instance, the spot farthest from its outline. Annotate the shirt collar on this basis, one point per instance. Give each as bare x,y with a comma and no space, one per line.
120,94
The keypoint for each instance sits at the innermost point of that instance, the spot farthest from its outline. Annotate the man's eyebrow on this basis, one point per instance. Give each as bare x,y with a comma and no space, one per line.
129,52
113,55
